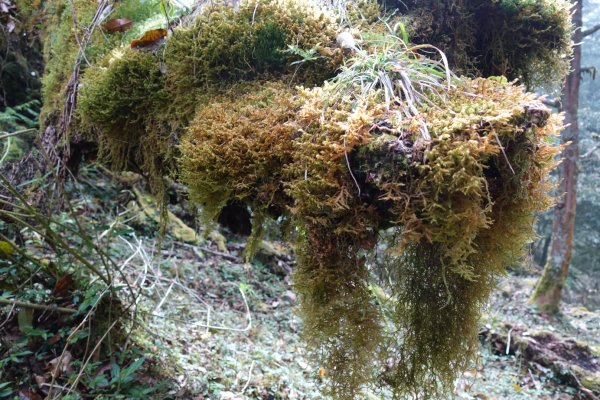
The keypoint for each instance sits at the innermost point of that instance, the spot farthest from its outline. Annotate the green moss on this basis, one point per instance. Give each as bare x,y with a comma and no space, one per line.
122,102
62,48
529,40
342,324
224,46
525,39
118,94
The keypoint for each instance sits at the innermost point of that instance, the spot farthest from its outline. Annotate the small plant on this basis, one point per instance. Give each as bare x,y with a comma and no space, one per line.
404,74
15,121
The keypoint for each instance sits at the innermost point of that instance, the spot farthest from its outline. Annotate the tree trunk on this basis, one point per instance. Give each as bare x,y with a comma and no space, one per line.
548,291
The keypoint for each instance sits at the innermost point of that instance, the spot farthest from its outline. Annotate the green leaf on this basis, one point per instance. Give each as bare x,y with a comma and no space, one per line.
115,372
128,373
25,319
5,389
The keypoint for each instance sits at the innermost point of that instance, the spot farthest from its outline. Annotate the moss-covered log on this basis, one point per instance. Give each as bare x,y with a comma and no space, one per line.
572,362
395,173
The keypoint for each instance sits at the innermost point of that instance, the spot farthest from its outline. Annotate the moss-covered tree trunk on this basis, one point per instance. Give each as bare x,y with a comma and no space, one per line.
548,292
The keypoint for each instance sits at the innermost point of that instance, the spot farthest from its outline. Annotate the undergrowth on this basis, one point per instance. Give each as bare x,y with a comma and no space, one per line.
67,305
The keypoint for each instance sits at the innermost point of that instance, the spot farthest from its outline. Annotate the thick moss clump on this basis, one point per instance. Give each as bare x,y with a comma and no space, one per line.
529,40
120,93
122,99
136,100
236,148
259,39
456,210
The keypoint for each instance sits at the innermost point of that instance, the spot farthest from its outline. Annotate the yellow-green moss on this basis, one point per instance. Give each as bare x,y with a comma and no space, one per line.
121,92
457,209
123,103
224,45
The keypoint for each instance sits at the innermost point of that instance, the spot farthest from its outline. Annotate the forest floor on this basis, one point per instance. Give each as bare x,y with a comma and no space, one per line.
209,326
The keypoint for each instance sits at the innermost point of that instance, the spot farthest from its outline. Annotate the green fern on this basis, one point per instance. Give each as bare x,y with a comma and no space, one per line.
22,116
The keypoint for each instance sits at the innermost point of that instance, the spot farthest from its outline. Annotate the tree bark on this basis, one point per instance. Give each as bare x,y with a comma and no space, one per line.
548,291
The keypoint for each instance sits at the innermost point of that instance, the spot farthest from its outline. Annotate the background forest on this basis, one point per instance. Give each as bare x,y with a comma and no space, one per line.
208,200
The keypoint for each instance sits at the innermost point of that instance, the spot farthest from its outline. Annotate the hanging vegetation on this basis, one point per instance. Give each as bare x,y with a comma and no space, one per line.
455,211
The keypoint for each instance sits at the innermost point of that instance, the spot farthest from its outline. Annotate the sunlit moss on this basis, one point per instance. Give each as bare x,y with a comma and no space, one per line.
224,45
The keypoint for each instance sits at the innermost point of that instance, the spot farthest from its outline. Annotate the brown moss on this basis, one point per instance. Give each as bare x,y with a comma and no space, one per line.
237,146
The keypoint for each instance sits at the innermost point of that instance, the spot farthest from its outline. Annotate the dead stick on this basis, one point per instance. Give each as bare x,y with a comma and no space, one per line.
32,306
4,135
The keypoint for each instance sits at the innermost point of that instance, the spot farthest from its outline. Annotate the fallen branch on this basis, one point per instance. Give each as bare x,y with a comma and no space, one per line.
4,135
572,362
33,306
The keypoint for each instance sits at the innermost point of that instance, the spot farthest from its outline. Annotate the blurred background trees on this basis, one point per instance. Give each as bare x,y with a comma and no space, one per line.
570,233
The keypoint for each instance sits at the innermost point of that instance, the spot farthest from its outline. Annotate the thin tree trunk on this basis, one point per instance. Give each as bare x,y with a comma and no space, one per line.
548,292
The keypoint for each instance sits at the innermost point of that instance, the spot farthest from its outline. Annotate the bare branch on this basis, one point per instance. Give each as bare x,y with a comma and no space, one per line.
33,306
4,135
591,151
551,103
590,31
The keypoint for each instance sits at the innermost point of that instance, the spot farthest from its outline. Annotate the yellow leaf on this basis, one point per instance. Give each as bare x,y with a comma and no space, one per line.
517,387
6,249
